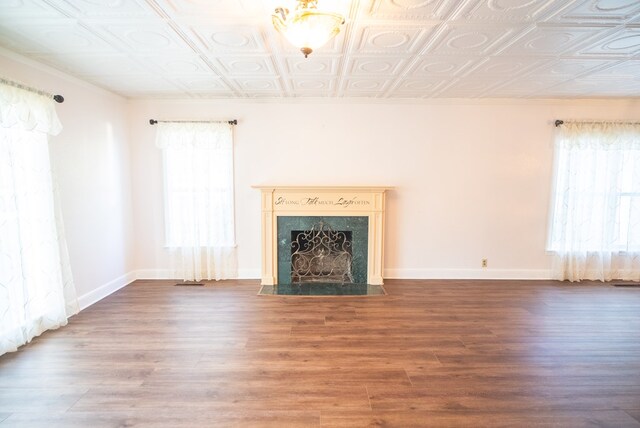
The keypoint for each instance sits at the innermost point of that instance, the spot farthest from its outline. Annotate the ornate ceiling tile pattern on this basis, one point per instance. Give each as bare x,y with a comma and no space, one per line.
388,49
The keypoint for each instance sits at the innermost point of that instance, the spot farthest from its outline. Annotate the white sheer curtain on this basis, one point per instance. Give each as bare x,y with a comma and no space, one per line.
36,286
595,209
199,212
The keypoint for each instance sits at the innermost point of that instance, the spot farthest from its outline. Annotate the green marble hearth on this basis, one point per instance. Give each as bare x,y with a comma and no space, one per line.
357,225
321,289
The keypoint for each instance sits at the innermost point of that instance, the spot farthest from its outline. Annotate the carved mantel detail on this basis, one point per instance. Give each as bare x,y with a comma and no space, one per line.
323,201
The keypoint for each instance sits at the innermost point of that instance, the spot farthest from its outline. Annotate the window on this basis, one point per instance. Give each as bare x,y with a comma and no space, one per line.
198,181
199,194
627,232
595,207
36,286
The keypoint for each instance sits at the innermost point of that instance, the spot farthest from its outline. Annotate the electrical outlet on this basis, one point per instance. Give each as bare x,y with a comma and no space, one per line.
484,263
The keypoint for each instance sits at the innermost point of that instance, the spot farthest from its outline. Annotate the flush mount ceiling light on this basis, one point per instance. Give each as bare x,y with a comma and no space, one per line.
307,27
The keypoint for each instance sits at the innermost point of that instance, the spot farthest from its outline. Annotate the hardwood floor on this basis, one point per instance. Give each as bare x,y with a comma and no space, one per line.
431,353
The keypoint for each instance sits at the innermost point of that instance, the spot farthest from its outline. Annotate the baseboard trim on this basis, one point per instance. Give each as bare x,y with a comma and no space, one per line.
249,274
468,274
395,274
168,274
105,290
154,274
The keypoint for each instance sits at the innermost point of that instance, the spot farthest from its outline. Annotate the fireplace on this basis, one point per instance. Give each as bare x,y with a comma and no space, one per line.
319,235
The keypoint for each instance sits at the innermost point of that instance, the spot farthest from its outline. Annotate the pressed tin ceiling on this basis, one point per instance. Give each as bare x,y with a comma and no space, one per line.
389,49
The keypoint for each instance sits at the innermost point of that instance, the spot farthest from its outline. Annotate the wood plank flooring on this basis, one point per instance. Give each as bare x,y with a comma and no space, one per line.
430,353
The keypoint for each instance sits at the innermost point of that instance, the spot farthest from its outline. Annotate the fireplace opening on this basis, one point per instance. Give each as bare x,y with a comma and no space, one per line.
321,254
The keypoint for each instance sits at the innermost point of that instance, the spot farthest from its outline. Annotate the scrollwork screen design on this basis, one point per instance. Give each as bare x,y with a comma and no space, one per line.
321,254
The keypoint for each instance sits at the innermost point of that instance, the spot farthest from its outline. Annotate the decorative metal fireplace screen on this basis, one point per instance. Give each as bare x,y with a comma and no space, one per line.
321,254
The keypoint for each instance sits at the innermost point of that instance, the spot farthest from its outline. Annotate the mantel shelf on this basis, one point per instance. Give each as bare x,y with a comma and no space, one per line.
324,188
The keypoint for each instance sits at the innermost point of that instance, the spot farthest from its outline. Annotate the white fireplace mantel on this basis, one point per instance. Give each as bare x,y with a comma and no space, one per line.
323,201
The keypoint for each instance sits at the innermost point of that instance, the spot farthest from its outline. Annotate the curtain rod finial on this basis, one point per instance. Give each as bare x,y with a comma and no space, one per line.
559,122
58,98
152,122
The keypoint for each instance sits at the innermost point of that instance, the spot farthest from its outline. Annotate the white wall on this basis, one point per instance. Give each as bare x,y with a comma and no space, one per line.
472,178
90,158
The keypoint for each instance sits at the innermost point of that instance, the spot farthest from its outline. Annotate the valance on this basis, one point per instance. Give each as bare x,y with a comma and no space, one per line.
22,109
200,135
600,136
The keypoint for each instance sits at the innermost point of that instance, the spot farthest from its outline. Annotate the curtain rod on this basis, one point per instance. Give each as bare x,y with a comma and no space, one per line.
56,98
559,122
230,122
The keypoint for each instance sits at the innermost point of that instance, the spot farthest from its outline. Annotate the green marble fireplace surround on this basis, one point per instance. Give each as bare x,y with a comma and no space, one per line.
358,225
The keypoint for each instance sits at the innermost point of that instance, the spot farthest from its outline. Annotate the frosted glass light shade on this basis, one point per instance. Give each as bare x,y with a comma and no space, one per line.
307,28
